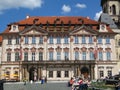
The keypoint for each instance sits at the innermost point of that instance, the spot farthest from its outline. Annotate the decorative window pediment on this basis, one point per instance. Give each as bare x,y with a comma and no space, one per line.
33,30
83,30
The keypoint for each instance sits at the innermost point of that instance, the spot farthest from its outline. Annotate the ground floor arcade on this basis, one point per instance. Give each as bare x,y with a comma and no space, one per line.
57,70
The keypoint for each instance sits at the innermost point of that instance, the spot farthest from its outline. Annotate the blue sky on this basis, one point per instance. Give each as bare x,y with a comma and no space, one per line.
15,10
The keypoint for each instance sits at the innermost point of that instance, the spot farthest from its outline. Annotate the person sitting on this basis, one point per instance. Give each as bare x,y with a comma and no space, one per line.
70,82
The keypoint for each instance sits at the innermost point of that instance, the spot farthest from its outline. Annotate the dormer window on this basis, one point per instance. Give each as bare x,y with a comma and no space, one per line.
14,27
103,28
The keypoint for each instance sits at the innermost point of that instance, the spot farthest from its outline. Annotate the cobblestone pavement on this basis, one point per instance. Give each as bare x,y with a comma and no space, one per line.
37,86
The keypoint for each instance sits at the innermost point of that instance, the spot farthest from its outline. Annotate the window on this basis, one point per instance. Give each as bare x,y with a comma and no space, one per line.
107,40
100,40
25,56
58,74
17,56
66,40
100,56
33,40
16,74
109,72
66,55
50,55
40,56
51,40
108,54
66,74
26,40
50,74
14,27
8,56
41,40
76,55
83,40
7,74
90,39
114,9
76,40
102,27
91,55
17,40
84,55
33,56
9,41
58,55
58,40
101,73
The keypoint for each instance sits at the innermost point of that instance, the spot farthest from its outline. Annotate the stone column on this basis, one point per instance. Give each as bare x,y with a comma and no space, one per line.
79,71
93,72
39,72
23,74
26,74
92,76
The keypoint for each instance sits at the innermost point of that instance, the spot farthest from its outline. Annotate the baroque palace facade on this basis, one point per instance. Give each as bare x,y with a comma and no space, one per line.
58,48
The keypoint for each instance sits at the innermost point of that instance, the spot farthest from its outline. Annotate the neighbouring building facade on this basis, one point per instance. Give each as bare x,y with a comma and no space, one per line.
58,48
111,16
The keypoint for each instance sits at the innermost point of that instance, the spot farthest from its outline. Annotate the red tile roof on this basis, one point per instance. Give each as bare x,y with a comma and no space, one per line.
58,19
0,39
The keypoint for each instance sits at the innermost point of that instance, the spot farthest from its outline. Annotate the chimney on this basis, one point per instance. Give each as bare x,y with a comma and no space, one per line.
88,17
27,16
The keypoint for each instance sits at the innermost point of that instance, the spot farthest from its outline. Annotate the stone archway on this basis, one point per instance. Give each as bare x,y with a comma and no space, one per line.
33,75
85,71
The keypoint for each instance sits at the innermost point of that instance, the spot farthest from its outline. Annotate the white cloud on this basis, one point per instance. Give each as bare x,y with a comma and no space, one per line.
9,4
97,15
66,8
79,5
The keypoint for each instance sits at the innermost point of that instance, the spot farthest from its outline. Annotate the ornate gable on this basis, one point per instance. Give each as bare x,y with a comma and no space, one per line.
83,30
33,30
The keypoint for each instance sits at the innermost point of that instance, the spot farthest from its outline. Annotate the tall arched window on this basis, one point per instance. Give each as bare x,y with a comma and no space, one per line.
114,9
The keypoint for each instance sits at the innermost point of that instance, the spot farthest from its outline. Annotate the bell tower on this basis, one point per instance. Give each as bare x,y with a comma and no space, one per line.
112,8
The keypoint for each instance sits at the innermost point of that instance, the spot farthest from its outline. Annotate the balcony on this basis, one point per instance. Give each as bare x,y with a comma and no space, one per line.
60,62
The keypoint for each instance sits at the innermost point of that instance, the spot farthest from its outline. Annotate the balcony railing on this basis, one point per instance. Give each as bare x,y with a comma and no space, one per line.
61,62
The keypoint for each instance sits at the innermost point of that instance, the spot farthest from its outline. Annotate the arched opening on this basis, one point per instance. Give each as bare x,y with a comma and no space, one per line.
114,9
85,71
33,74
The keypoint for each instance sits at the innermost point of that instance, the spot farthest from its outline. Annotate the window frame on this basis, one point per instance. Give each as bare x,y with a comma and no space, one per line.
58,55
50,55
40,56
33,56
50,74
25,56
33,40
66,74
83,55
76,39
58,75
76,55
8,56
17,56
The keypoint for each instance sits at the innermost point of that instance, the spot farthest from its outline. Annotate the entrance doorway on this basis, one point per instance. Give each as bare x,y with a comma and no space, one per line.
85,71
33,75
